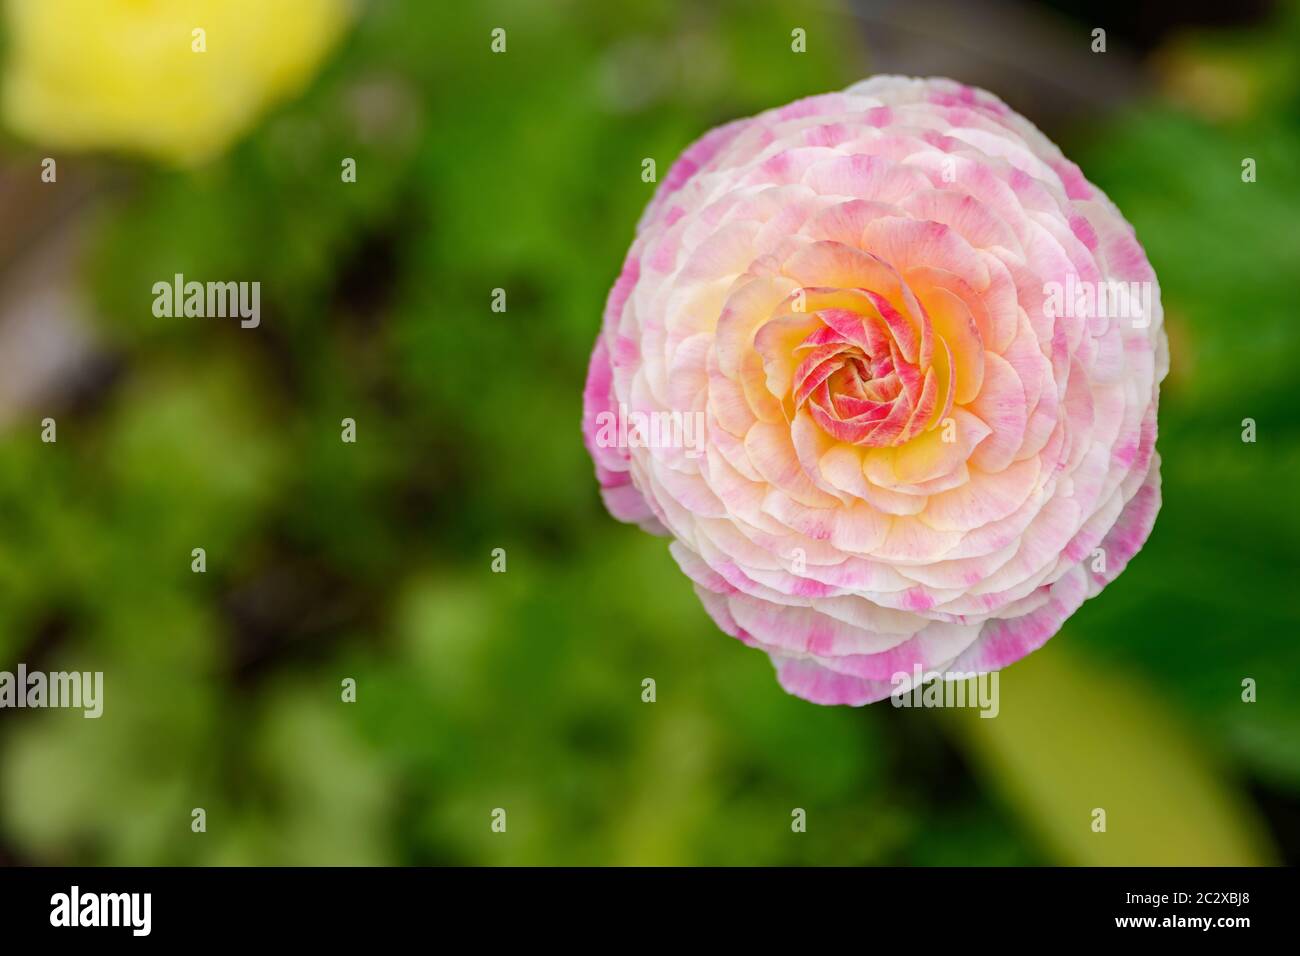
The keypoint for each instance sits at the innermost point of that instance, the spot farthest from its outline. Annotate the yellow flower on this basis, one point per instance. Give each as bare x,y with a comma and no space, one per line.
173,79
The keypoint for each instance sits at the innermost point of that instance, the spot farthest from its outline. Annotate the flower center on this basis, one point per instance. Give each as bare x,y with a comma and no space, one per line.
854,380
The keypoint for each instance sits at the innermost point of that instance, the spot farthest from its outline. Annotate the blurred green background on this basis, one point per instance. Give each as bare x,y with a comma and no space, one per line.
522,690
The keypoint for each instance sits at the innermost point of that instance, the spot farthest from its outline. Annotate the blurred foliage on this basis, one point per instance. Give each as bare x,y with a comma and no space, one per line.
1209,603
1135,774
523,690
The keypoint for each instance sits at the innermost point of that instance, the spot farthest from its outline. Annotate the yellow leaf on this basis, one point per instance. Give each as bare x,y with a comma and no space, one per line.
1070,740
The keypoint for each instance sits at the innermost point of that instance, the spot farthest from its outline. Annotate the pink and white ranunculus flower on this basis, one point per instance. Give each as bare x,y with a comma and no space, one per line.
925,354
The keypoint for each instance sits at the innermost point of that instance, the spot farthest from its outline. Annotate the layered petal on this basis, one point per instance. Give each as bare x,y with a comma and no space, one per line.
907,363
